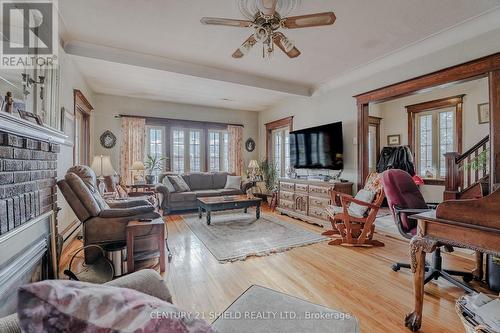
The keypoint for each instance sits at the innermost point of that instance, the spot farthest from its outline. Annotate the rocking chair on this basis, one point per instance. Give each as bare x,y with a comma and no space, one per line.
353,228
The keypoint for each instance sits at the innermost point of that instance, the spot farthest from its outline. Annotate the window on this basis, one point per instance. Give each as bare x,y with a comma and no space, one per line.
281,150
434,130
178,151
195,151
155,143
218,150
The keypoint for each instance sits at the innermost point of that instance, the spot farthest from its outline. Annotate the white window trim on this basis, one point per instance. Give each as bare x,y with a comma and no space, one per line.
187,147
283,131
222,154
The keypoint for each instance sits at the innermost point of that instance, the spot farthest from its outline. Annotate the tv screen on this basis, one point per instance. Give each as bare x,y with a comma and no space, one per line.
317,147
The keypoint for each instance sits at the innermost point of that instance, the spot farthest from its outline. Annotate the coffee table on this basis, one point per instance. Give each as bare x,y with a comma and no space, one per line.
210,204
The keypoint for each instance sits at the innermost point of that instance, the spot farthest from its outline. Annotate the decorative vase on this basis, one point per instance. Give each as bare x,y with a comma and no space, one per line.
150,179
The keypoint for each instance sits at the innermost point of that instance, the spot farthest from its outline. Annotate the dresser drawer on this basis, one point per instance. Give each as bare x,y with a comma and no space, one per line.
301,188
286,195
319,202
301,203
319,190
286,204
318,212
287,186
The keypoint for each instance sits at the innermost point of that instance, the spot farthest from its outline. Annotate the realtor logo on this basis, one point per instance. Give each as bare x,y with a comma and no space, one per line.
29,33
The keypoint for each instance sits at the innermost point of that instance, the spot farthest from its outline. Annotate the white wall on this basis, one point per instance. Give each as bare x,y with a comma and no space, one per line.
70,78
108,107
338,104
395,119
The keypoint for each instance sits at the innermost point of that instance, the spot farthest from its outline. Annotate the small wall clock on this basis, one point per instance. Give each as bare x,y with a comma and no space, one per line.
250,145
108,139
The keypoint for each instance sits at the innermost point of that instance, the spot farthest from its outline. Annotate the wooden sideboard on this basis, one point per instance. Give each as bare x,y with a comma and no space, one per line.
307,199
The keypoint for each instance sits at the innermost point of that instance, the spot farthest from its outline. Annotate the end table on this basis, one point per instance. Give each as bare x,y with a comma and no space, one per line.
141,230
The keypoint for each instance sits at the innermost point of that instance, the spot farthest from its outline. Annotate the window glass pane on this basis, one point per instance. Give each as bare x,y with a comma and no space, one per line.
178,151
195,151
446,138
214,151
425,148
277,151
155,143
225,157
287,151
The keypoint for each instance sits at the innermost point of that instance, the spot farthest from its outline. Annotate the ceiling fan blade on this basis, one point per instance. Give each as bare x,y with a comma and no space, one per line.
285,45
312,20
226,22
245,47
267,7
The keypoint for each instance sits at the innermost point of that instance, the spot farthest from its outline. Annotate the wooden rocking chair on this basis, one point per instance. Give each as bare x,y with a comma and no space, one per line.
355,230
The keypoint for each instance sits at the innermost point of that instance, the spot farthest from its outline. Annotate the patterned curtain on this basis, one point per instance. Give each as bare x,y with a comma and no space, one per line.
133,144
235,149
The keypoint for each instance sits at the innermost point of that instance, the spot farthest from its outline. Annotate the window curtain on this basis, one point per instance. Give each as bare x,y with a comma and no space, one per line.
235,149
133,144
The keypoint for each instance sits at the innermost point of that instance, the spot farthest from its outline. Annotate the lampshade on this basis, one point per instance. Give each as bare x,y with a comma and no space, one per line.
253,164
138,166
102,166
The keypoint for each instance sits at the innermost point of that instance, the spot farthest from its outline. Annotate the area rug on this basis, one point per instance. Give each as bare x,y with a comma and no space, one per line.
235,236
264,310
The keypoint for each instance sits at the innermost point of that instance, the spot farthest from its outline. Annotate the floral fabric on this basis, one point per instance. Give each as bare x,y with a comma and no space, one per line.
133,144
70,306
235,149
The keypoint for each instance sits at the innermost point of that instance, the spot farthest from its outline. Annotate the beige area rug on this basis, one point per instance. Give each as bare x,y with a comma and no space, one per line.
235,236
264,310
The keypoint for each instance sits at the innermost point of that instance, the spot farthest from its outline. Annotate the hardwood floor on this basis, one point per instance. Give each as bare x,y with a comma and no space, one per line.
355,280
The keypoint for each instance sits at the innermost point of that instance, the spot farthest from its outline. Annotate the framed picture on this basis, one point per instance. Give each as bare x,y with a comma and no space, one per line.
30,117
394,140
483,113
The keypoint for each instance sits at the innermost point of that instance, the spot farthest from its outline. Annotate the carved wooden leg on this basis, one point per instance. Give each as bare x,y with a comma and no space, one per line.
419,246
477,273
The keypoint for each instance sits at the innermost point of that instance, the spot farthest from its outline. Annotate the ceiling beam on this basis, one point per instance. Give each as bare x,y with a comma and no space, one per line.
110,54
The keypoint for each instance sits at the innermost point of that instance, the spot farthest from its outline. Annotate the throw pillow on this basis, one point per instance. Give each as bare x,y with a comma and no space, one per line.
358,210
168,184
179,183
233,182
70,306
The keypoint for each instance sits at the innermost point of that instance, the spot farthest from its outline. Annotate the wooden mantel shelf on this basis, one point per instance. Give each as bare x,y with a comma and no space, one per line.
21,127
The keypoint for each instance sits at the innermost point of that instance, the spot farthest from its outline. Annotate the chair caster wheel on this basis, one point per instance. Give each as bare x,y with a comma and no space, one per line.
395,267
467,279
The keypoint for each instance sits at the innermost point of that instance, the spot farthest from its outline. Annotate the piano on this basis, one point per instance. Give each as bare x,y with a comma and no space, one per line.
472,224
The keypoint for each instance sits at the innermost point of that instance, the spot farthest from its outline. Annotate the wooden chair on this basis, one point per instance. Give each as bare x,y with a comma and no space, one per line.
355,230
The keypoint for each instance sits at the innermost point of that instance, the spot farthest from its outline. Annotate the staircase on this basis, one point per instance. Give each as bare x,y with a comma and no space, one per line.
467,174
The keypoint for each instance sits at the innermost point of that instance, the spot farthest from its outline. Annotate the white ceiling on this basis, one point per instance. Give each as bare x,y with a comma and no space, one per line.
196,66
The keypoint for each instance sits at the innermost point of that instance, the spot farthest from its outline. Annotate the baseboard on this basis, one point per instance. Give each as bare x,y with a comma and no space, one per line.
70,232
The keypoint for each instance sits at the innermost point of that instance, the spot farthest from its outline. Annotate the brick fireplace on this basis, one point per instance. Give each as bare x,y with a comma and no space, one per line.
28,205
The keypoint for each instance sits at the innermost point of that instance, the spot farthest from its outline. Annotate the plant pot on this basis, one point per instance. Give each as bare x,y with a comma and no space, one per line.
150,179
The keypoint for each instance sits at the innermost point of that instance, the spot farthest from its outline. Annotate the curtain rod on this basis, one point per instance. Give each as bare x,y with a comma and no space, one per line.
173,120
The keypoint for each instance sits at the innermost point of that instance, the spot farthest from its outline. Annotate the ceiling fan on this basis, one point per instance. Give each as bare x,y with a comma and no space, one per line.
266,21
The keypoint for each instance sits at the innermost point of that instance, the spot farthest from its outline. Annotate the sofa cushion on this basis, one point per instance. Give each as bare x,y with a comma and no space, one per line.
233,182
199,181
207,193
219,180
229,191
182,196
362,195
168,184
179,183
71,306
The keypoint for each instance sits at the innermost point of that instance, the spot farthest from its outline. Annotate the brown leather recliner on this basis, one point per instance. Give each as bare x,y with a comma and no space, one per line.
103,223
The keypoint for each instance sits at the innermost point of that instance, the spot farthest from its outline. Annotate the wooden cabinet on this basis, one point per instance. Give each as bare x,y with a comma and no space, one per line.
307,199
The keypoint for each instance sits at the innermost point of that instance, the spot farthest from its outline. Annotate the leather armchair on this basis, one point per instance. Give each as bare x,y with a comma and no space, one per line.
103,223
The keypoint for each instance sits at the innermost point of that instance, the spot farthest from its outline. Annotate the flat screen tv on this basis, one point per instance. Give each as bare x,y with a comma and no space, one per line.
317,147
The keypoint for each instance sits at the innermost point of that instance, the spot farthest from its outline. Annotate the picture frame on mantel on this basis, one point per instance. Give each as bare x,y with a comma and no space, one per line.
30,116
394,140
483,113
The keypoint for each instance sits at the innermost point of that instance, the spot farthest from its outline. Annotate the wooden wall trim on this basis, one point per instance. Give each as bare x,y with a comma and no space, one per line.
270,127
82,102
488,66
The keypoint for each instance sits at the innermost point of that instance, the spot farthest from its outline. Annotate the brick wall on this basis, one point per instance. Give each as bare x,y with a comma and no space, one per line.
27,179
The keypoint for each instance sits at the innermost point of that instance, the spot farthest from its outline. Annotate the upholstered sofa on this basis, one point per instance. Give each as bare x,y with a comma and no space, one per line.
201,184
145,281
103,222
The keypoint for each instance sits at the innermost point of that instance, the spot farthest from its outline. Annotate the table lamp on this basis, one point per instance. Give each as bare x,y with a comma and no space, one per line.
253,166
102,168
138,167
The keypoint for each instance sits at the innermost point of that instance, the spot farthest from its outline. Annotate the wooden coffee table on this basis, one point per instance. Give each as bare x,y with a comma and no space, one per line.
210,204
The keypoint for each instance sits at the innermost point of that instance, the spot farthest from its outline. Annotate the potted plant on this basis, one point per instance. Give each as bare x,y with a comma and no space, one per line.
153,164
269,174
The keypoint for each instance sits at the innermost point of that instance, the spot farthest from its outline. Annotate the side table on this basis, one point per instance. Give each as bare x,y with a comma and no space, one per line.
153,229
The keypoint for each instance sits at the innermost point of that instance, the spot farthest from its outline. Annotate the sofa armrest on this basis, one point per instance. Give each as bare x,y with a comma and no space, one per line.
126,212
146,281
128,203
162,189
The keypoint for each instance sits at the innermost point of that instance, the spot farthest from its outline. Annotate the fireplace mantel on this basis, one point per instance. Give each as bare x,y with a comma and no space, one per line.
21,127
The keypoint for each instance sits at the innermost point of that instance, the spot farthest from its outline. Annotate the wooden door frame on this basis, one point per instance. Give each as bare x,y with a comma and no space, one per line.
82,105
375,121
488,66
270,127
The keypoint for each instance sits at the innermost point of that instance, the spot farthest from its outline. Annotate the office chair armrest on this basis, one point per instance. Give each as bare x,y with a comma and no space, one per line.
399,210
432,205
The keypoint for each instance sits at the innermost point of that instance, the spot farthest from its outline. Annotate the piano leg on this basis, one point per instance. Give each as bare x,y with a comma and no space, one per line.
419,246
